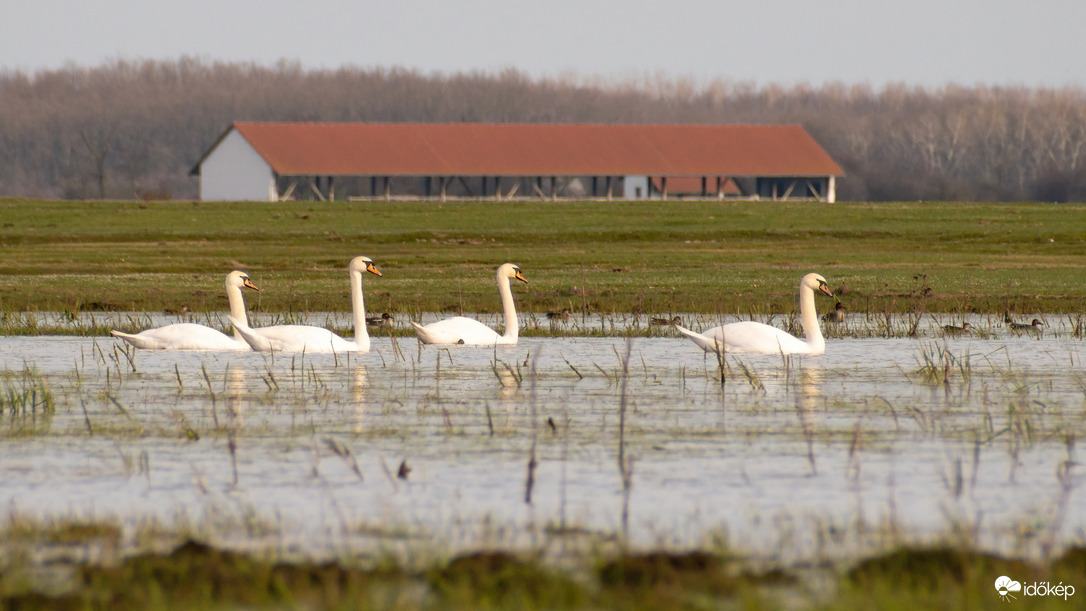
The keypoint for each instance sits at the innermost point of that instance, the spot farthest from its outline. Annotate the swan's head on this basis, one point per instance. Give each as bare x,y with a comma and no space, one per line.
816,283
363,263
239,279
511,270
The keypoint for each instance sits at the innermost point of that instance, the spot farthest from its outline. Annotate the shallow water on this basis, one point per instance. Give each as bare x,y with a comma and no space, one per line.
858,325
790,459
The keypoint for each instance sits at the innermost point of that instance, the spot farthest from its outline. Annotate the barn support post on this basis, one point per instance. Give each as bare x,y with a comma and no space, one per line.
331,188
290,190
315,187
388,189
444,187
663,187
609,188
831,189
467,187
788,191
554,188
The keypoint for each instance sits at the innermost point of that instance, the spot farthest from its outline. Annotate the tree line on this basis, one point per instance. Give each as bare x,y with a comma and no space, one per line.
135,129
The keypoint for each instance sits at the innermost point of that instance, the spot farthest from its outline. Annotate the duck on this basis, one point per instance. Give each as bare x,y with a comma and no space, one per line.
758,338
1033,328
677,320
460,330
563,315
953,330
192,336
379,321
836,316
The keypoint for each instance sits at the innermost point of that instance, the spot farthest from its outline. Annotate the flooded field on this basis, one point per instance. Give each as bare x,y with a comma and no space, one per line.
561,445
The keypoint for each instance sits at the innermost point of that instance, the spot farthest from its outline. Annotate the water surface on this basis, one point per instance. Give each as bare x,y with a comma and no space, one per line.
789,459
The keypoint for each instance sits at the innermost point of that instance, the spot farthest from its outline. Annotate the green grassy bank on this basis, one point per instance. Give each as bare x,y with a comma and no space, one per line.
731,257
195,576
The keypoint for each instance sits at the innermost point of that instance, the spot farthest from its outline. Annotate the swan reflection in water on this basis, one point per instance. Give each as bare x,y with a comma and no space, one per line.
235,392
357,387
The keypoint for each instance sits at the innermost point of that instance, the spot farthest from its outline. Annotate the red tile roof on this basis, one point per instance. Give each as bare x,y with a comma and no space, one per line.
518,149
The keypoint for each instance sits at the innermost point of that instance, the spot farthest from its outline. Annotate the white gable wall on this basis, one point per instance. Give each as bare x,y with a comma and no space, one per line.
234,171
635,187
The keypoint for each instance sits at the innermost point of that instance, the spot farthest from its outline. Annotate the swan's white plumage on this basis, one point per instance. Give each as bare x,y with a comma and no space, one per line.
755,337
466,331
191,336
309,339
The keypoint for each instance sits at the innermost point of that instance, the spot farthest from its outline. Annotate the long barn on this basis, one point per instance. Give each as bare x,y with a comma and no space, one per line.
329,161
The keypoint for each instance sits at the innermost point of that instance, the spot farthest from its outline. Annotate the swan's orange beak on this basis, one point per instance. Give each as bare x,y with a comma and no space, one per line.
371,268
824,290
250,285
520,276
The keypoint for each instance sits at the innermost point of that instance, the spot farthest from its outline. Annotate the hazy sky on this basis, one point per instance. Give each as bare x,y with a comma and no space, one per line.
918,42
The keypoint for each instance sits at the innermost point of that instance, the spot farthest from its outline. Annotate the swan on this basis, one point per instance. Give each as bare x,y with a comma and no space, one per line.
191,336
755,337
304,338
461,330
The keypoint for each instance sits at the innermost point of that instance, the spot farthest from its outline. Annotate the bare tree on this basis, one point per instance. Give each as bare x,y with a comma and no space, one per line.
135,128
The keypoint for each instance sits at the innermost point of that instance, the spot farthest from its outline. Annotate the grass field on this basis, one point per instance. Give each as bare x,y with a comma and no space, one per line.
711,257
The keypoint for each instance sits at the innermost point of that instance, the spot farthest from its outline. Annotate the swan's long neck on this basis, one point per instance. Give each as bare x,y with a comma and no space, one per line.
358,312
512,326
808,317
237,307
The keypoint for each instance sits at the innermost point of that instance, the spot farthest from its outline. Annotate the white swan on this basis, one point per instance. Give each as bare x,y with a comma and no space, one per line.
755,337
191,336
304,338
461,330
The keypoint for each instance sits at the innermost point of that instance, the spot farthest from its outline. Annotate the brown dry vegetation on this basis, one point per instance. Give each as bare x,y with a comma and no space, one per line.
199,576
135,129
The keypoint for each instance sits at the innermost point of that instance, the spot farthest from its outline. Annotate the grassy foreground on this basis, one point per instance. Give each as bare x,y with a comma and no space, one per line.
195,576
710,257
